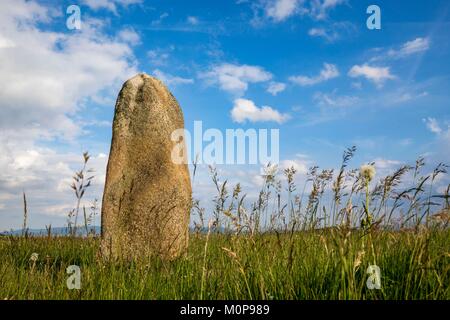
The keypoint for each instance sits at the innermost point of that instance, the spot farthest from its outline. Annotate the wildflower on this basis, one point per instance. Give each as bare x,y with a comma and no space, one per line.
34,257
367,171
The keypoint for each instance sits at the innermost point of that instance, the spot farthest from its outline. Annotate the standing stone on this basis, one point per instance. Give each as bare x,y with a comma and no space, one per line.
147,197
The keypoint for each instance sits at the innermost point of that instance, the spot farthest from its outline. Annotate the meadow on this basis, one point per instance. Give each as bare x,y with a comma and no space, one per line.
285,245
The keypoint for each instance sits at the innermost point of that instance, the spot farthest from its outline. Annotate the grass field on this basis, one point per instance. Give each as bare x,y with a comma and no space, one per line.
302,247
328,264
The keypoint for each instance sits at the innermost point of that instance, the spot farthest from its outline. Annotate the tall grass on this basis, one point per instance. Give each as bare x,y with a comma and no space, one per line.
81,181
324,264
287,244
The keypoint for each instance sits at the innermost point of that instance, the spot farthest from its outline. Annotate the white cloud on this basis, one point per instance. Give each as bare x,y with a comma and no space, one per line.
329,71
280,10
319,32
235,78
411,47
244,110
160,56
6,43
386,164
45,176
97,123
192,20
171,80
320,8
432,125
441,143
158,21
46,79
130,36
276,87
403,97
110,5
333,31
441,129
375,74
300,165
385,167
334,100
47,76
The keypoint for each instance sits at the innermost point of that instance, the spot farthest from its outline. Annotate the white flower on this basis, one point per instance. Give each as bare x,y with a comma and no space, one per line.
34,257
269,171
367,171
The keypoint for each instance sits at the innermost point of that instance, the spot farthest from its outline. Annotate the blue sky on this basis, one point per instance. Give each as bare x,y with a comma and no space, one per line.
329,81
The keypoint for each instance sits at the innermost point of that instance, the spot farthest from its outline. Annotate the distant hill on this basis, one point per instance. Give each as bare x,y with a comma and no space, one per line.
58,231
81,231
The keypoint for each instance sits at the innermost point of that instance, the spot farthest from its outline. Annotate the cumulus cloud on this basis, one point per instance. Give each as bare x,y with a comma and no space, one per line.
329,71
46,79
386,164
45,176
386,167
276,87
235,78
6,43
130,36
244,110
300,165
377,75
110,5
47,75
171,80
280,10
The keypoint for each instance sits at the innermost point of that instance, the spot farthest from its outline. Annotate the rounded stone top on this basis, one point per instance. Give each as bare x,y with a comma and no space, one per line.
143,75
137,80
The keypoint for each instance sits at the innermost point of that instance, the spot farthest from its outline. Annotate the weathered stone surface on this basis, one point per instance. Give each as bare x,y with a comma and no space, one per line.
147,197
